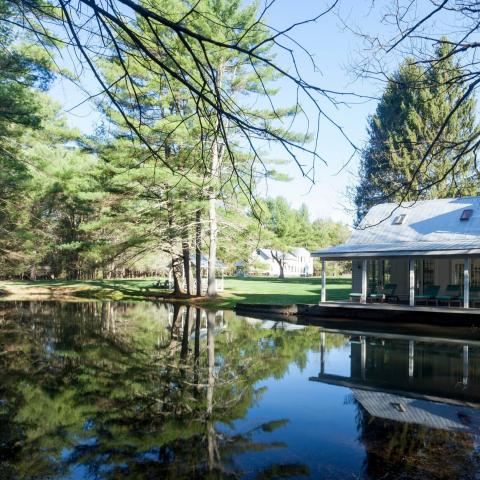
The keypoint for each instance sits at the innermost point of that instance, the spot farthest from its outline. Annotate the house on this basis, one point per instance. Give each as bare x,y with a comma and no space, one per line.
418,380
422,248
264,261
220,271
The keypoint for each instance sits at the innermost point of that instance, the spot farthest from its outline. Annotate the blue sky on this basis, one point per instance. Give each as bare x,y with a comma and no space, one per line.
335,49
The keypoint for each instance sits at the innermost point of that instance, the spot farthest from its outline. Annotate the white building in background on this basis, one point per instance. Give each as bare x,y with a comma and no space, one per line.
297,263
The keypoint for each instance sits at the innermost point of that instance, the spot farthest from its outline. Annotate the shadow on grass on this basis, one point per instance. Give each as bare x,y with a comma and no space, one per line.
294,280
257,290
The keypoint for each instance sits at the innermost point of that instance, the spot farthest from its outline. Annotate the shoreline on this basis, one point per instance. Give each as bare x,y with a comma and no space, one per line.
252,290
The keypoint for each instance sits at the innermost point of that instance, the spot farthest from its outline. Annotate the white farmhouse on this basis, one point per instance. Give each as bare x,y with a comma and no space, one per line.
296,263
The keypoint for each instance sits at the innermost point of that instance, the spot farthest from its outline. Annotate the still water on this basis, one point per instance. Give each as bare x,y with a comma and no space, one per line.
143,391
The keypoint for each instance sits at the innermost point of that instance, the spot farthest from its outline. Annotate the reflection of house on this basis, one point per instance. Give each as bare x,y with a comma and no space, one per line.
419,412
264,261
273,324
416,245
422,381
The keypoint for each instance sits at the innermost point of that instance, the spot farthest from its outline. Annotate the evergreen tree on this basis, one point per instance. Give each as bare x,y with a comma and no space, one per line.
398,163
24,71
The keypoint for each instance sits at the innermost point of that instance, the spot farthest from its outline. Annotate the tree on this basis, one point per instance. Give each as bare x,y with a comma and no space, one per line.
91,27
24,72
282,225
401,162
287,227
200,159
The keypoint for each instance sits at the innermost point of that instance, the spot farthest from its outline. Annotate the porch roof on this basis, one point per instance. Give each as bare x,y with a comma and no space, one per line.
401,249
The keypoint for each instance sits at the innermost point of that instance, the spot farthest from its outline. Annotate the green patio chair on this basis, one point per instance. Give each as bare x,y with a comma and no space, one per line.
430,293
384,294
474,297
355,297
453,293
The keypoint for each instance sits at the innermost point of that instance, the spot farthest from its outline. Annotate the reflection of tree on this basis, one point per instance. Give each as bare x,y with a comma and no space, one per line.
398,450
131,391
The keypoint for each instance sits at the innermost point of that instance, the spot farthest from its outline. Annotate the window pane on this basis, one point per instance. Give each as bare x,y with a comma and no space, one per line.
466,214
428,272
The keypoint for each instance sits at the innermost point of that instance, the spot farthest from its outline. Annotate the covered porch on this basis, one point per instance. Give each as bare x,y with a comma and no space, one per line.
436,279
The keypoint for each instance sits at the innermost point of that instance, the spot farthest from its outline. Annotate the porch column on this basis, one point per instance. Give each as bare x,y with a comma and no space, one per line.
363,298
411,281
466,283
322,352
411,358
324,282
363,356
465,365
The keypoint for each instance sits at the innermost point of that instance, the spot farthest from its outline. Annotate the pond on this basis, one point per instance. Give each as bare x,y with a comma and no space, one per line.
141,391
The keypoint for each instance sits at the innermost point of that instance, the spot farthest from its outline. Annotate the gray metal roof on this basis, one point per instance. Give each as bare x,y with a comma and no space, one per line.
421,412
431,227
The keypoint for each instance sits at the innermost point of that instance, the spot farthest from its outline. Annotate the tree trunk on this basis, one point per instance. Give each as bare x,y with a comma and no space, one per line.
186,265
198,251
217,155
282,270
280,264
177,267
186,334
211,360
196,354
33,272
177,271
212,255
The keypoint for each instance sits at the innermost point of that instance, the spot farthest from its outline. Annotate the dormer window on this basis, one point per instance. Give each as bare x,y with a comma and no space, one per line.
466,214
399,219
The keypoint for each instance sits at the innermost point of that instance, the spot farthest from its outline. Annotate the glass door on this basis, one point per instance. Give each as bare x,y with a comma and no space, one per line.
428,272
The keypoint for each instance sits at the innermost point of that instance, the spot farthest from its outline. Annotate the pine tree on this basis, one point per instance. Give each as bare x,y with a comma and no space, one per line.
398,163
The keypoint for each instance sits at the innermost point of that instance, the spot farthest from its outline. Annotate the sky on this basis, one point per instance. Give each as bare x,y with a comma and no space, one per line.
335,49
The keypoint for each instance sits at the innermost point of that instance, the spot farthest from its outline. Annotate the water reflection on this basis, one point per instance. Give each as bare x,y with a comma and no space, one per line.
418,403
116,390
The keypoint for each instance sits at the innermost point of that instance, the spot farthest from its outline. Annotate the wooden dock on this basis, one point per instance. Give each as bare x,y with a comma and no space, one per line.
370,311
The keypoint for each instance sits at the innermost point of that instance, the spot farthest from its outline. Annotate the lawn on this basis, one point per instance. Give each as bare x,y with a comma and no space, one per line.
287,290
248,290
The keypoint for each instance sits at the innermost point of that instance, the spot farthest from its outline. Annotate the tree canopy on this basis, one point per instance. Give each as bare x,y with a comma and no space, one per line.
400,162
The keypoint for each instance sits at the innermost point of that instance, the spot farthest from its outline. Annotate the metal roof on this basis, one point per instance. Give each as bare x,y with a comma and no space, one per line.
421,412
430,227
204,261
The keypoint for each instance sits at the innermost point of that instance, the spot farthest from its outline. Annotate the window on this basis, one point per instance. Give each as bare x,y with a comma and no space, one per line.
457,272
475,274
387,272
466,214
373,277
399,219
428,272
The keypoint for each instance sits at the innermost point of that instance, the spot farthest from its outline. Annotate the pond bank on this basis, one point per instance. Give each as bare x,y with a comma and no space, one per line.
254,290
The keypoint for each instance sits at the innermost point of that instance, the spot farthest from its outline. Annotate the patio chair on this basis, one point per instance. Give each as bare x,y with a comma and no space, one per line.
355,297
430,293
384,294
453,293
474,297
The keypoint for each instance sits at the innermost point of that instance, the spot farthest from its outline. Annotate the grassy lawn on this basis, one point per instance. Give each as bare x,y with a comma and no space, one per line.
287,290
248,290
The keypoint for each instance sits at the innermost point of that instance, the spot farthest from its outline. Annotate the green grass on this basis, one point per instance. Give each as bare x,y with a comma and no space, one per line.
248,290
282,291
